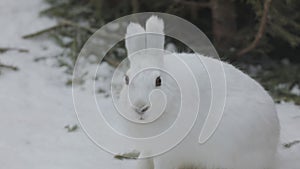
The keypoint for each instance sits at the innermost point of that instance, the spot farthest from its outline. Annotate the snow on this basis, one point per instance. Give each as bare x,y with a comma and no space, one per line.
289,116
296,90
36,105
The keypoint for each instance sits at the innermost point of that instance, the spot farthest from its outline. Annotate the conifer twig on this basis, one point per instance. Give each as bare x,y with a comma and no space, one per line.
9,67
3,50
41,32
289,145
261,29
62,23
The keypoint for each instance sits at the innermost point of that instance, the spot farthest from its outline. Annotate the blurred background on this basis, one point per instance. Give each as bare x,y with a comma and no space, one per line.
260,37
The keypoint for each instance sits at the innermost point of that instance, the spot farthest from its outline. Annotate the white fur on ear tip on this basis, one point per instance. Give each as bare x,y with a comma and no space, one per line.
155,26
134,28
135,38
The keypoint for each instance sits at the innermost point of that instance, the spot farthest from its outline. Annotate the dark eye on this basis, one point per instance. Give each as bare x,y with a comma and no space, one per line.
158,81
126,79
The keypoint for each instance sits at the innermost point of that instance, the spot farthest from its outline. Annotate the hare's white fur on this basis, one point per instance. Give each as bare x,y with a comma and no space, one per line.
247,136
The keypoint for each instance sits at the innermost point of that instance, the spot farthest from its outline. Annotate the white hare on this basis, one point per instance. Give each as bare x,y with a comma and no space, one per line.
248,134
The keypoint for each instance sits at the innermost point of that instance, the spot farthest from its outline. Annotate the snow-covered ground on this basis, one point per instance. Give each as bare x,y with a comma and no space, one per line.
36,105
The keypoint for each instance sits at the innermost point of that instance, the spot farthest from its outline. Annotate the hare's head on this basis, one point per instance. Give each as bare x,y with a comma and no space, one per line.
145,49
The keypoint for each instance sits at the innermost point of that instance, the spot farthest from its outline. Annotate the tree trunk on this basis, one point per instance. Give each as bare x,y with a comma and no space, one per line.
223,22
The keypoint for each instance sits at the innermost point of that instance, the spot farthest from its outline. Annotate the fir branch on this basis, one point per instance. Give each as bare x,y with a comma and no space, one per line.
289,145
261,30
14,68
61,24
292,39
22,50
129,156
32,35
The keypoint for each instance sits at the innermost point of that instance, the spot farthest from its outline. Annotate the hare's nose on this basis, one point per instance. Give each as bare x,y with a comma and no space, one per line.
142,109
145,108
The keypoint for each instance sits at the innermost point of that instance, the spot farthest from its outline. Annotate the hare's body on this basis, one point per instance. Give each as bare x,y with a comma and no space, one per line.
247,135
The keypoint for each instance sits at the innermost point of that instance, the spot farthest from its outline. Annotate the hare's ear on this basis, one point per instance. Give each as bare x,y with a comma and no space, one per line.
135,38
155,33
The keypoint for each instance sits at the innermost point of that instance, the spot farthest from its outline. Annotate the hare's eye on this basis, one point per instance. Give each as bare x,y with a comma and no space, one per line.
126,79
158,81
